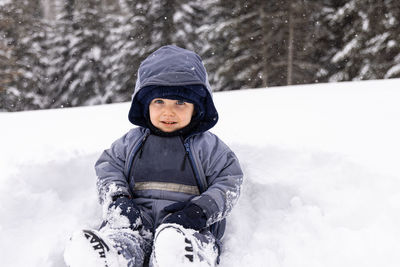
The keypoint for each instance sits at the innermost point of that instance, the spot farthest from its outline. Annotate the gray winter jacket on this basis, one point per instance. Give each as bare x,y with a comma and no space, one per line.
215,165
216,169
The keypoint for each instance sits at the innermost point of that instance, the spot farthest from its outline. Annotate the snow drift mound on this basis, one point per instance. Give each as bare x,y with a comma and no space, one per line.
321,176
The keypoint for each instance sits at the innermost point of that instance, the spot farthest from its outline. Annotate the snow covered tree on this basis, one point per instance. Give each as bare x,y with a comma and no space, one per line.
76,67
88,51
128,43
369,41
260,44
123,35
177,22
391,23
22,78
8,67
141,28
219,31
238,43
325,40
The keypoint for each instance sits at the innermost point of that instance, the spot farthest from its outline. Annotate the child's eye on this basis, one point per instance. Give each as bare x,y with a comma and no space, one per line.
158,101
180,102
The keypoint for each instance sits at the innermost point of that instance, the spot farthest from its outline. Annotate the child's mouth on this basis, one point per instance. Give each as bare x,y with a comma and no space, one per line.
169,122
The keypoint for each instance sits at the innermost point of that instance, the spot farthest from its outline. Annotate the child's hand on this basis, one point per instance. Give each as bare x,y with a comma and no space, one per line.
190,216
124,213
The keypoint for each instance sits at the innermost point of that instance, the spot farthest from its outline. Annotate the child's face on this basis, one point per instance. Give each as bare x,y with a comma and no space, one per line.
170,115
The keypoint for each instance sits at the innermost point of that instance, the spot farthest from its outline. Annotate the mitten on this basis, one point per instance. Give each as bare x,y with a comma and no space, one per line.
190,216
124,213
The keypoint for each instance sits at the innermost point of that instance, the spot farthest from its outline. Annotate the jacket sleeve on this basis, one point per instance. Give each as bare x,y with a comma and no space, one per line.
111,168
224,178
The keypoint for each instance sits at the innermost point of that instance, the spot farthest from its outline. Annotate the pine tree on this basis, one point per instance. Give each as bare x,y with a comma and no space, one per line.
141,28
90,54
128,43
326,40
59,39
369,42
303,61
21,58
391,21
260,44
374,53
218,31
77,69
176,22
8,66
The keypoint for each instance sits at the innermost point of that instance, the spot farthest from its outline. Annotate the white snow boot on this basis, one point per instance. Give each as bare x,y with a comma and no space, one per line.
89,248
177,246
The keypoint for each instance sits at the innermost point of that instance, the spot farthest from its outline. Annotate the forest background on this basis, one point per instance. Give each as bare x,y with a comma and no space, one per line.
64,53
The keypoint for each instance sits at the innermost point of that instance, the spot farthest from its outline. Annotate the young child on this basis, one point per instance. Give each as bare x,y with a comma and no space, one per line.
167,185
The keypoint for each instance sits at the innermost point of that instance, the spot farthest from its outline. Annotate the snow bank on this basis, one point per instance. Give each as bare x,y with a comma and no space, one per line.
321,176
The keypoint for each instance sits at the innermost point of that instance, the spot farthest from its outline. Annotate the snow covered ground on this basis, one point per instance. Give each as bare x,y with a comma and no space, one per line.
321,163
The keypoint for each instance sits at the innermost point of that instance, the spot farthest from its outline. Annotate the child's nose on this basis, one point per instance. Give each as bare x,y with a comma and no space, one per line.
168,111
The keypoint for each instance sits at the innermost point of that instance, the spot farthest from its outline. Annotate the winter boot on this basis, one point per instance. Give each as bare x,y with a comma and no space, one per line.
89,248
106,248
177,246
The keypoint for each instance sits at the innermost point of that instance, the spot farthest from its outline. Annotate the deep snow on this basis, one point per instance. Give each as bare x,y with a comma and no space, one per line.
321,167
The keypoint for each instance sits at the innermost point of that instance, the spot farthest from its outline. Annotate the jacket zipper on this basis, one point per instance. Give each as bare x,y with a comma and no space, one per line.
133,153
142,145
196,174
